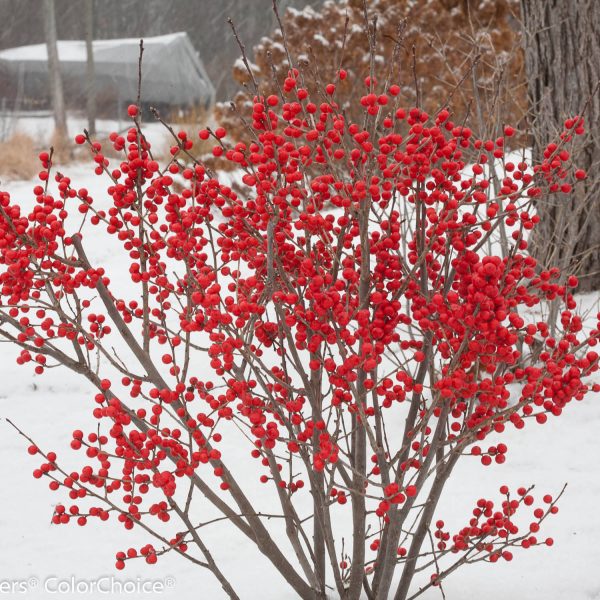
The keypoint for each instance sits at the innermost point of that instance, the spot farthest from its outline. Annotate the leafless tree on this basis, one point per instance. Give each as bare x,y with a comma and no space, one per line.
90,71
55,80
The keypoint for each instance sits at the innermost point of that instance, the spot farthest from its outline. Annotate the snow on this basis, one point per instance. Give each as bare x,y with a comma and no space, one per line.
74,50
277,47
40,127
308,12
321,39
240,65
48,408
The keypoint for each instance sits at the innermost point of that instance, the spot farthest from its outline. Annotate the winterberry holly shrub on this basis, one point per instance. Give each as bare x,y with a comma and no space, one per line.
346,322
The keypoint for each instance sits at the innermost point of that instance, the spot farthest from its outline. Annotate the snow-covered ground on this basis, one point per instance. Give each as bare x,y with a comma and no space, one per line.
40,127
565,450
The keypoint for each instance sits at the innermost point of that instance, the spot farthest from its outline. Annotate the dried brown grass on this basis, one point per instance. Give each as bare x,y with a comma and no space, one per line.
63,148
18,157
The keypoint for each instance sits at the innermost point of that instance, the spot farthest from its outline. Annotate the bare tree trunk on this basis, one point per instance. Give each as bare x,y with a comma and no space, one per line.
58,101
90,72
562,50
318,494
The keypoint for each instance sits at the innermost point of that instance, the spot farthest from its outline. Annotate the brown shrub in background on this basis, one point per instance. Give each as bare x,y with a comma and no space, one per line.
464,54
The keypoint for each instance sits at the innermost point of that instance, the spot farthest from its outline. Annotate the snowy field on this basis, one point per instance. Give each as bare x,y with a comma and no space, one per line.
40,126
565,450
